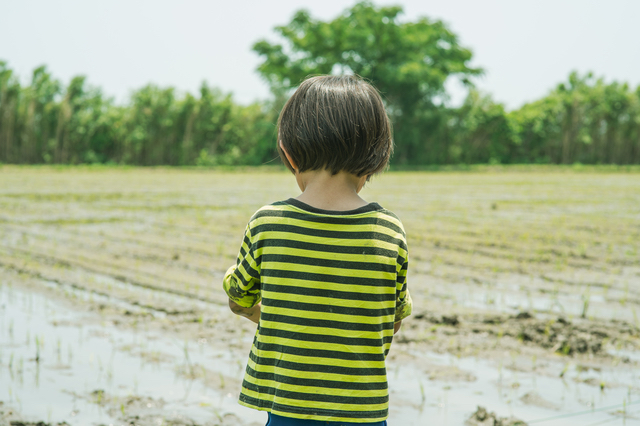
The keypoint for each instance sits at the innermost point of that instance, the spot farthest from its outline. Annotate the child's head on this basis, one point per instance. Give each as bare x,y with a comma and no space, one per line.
335,123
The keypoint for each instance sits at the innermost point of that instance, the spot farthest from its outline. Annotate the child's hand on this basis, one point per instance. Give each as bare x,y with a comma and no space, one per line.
253,313
396,326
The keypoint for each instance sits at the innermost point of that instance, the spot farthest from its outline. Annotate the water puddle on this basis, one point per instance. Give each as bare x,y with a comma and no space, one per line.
116,293
512,299
61,364
420,397
55,365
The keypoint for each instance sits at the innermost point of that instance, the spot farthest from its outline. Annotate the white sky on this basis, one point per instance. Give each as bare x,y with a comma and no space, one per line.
526,47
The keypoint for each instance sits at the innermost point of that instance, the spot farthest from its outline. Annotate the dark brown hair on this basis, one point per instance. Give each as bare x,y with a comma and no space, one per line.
336,123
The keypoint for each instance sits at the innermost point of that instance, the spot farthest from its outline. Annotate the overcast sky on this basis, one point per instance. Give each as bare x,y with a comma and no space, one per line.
526,47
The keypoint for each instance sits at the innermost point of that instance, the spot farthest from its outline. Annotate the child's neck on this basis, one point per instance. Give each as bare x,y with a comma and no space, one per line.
322,190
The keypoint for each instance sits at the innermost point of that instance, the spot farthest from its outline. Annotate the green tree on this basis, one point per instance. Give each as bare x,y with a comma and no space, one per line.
483,133
9,106
39,115
212,124
409,62
79,132
582,120
151,120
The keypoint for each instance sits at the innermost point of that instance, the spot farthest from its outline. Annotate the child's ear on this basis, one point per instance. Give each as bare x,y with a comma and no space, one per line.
294,166
363,180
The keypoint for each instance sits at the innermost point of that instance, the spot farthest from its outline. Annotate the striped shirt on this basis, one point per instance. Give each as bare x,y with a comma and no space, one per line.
331,284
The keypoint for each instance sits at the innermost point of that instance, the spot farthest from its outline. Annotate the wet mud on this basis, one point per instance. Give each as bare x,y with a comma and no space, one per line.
483,418
526,292
554,333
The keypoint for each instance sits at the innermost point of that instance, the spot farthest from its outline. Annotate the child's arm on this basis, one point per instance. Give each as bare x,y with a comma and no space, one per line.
253,313
241,282
403,298
396,326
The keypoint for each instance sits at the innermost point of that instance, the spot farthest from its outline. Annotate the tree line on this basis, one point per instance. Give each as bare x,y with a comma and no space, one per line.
584,119
46,122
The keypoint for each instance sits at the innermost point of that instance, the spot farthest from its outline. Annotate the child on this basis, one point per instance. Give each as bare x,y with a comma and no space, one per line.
324,274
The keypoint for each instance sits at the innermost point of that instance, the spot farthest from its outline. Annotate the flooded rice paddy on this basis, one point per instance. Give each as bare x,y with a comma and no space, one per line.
526,290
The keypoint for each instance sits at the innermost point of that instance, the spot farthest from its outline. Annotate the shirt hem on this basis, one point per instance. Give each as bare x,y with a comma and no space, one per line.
305,416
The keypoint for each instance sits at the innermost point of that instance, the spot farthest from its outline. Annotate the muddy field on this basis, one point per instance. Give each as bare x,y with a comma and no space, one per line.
525,282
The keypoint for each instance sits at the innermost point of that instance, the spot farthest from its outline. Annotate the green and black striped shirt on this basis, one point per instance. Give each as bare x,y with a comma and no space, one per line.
331,284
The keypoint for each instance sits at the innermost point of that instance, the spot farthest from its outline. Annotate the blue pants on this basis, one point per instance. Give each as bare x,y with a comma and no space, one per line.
290,421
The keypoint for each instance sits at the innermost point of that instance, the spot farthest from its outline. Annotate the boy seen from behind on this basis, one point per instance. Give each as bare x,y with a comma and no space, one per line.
324,275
